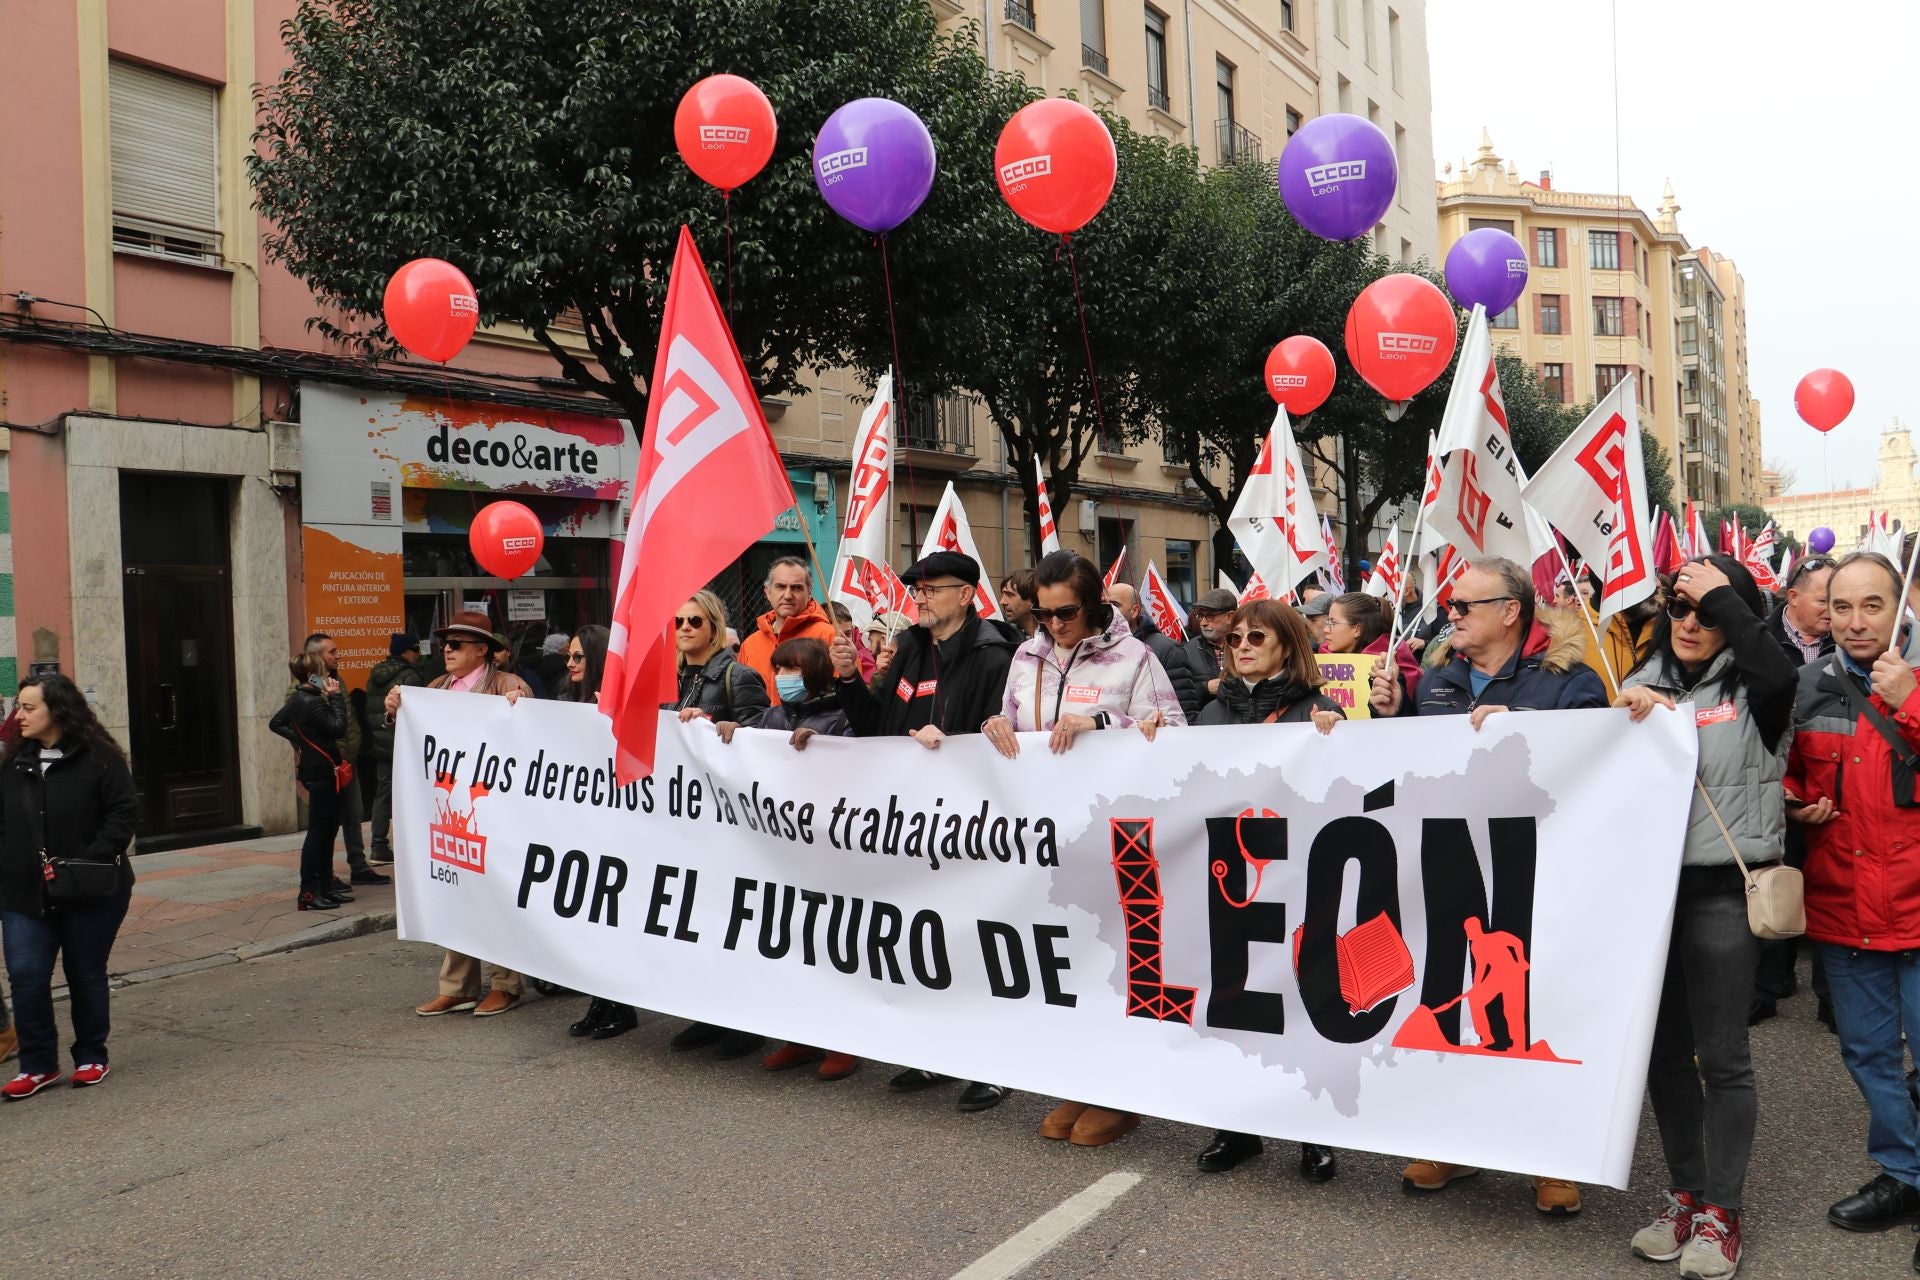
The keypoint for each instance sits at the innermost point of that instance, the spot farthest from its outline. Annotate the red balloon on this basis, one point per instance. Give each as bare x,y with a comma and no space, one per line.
1056,164
506,539
1300,374
431,308
725,130
1400,335
1824,398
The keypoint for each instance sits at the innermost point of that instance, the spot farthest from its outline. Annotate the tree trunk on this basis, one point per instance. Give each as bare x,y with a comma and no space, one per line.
1356,530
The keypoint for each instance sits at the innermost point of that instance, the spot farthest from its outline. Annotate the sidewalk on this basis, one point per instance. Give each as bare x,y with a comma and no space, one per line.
222,903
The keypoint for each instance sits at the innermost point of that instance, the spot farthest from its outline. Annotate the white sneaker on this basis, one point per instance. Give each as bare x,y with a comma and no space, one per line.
1665,1238
1714,1251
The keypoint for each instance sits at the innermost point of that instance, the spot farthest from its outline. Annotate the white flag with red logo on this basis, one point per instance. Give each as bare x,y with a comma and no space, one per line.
1274,520
951,532
1695,543
1438,573
1594,490
866,532
849,587
706,450
1049,532
1477,504
1256,589
1161,606
1333,573
1386,576
1114,570
887,592
1759,560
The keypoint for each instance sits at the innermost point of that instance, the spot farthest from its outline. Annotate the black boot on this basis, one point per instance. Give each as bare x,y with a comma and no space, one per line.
1228,1150
696,1036
596,1014
619,1019
1317,1163
1876,1206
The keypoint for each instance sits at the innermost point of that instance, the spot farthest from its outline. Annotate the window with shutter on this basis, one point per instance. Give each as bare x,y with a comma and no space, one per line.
166,163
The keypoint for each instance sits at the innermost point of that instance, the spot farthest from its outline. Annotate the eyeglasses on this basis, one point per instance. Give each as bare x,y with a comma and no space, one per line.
1460,608
575,657
1237,638
1680,611
924,591
1812,564
693,623
1066,613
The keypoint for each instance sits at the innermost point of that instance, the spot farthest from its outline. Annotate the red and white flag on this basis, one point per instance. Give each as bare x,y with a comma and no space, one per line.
1594,490
1049,532
866,532
886,591
1385,580
1274,519
1438,573
1759,560
1333,573
1256,589
1478,507
1161,606
1693,540
1225,583
706,449
950,531
1668,555
1114,570
1881,537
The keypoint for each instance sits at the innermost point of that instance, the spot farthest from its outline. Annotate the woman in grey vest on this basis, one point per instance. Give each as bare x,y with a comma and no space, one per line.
1711,649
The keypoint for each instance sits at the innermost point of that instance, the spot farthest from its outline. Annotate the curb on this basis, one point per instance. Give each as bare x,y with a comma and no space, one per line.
326,931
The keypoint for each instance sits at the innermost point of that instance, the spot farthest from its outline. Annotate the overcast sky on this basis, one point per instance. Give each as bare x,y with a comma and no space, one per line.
1789,146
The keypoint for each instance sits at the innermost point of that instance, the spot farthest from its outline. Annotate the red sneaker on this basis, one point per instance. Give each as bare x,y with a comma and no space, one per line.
90,1073
1714,1251
838,1066
26,1084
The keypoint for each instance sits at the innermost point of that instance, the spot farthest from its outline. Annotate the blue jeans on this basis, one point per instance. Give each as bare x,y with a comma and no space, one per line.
82,936
1876,996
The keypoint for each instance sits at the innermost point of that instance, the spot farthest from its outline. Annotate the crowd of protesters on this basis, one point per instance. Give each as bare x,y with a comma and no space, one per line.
1807,713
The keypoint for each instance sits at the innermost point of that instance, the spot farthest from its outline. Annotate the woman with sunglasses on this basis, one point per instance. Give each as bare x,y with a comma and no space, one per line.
1271,677
1711,648
585,656
1083,670
1360,623
714,685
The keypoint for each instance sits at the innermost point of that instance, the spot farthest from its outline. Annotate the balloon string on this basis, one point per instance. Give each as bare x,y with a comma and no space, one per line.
899,372
726,206
1086,345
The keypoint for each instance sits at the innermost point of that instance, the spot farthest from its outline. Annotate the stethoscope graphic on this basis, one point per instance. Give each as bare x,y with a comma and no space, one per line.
1259,865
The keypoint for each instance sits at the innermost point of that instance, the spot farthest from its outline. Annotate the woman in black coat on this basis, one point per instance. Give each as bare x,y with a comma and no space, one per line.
66,796
313,718
1274,680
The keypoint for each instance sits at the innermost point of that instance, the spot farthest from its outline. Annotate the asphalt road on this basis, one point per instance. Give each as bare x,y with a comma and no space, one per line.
291,1117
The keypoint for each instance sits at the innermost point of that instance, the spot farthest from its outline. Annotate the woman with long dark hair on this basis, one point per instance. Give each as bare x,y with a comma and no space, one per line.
313,719
1711,647
1360,623
585,655
67,814
1270,678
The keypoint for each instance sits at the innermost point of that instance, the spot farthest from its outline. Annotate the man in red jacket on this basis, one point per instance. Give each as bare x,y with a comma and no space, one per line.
1850,783
795,615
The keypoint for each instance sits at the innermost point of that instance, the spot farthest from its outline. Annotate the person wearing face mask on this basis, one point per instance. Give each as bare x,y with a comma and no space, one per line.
1083,671
1274,680
809,707
1711,648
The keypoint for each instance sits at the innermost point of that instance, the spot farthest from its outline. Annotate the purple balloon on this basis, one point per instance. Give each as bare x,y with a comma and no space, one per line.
874,163
1337,176
1488,267
1820,541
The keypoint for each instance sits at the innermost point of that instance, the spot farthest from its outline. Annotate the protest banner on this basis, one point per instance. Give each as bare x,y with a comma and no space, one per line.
1347,676
1398,937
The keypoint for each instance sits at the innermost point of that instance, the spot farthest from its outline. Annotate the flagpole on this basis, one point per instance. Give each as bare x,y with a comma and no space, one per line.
1579,603
1905,589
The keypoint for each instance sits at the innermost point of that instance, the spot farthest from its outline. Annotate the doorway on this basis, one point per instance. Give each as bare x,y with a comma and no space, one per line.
182,725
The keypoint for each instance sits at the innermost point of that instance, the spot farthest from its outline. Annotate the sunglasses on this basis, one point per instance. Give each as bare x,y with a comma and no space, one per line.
1461,608
450,645
1237,638
689,624
1812,564
576,657
1066,613
1680,611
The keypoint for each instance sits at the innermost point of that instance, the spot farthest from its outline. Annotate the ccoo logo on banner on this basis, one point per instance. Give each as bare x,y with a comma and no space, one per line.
1384,939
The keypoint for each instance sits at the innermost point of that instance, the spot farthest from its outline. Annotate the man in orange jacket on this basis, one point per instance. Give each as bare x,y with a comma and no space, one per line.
795,615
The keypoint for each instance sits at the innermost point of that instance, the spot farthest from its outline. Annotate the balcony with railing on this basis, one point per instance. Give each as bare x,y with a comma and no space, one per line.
1237,142
1157,98
1093,59
939,432
1020,12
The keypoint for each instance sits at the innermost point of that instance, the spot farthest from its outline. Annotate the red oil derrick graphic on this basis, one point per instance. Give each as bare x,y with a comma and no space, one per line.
1499,974
1137,872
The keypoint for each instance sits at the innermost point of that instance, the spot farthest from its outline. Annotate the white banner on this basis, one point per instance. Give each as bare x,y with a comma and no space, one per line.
1405,937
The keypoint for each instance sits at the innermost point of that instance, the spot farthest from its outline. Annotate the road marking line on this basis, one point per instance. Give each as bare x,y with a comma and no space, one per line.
1018,1252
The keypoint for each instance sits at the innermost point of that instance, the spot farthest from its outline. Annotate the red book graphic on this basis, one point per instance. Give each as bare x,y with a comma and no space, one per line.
1374,962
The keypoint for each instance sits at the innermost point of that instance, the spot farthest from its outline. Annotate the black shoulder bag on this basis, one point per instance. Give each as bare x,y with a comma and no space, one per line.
1906,763
72,879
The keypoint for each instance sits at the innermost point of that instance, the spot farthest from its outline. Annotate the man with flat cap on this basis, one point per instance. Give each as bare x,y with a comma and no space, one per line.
947,676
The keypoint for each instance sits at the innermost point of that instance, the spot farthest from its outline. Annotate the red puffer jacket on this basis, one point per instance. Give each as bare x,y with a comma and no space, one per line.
1863,868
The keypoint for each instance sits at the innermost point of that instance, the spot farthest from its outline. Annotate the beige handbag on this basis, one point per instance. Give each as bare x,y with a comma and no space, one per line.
1776,897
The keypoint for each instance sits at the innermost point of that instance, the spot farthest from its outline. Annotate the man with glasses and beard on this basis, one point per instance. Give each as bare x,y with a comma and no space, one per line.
1504,659
946,676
